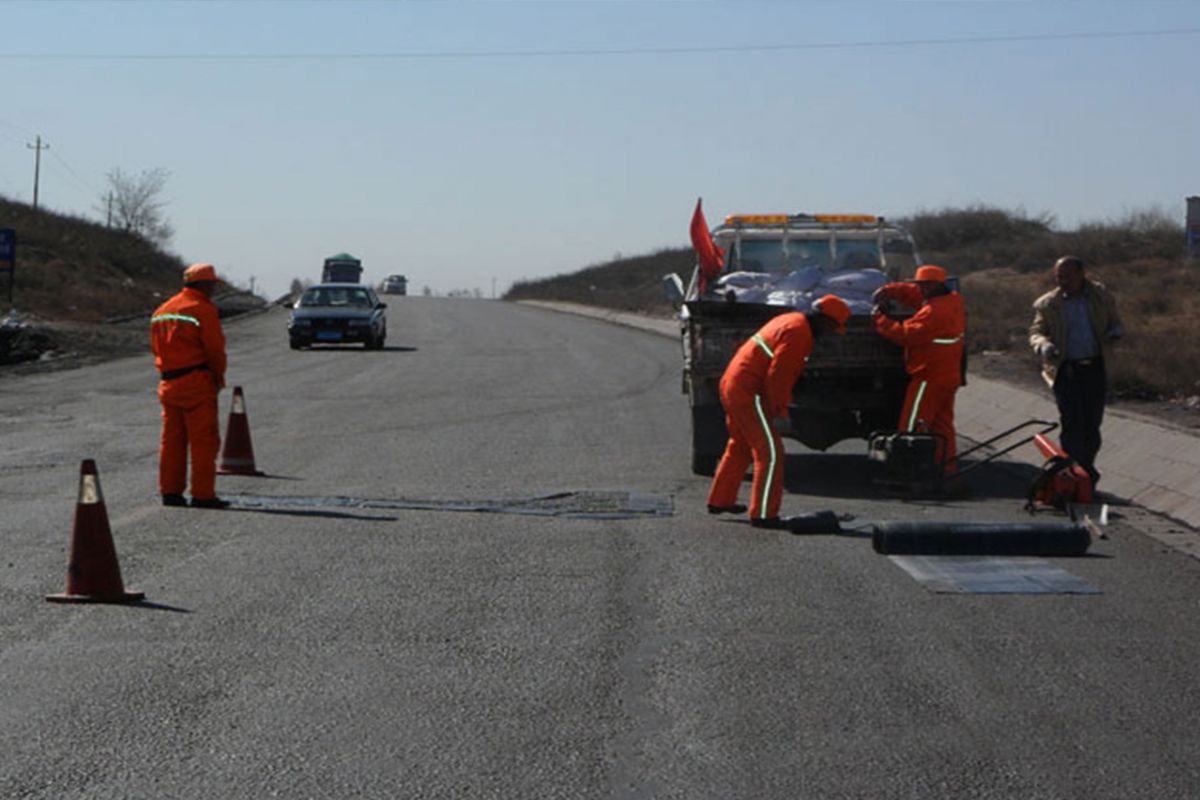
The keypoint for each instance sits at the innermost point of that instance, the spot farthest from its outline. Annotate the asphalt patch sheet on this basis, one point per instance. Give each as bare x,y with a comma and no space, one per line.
991,575
578,505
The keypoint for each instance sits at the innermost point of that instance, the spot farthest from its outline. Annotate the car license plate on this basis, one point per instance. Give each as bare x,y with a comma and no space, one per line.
329,336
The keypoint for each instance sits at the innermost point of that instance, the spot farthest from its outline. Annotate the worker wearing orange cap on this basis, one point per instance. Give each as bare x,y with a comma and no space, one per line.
189,352
756,389
933,340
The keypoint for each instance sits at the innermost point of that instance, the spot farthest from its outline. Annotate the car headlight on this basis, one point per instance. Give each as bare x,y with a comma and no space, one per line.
300,322
360,322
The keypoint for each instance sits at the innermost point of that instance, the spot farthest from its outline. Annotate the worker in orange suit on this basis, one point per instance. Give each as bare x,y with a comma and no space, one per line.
189,352
933,340
756,389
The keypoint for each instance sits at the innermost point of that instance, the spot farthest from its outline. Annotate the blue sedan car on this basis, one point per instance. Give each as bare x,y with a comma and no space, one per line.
337,313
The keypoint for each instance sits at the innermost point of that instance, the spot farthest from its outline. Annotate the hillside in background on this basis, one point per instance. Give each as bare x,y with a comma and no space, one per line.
1004,260
72,269
72,276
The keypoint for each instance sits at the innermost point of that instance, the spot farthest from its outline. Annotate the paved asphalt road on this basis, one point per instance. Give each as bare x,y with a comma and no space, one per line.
371,649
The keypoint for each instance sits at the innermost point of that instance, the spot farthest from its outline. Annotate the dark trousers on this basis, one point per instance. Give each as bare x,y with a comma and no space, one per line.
1079,390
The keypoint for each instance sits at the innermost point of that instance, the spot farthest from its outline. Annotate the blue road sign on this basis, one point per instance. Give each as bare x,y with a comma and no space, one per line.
8,249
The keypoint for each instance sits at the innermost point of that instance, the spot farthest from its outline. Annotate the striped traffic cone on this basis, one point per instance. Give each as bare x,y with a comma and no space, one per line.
93,575
237,453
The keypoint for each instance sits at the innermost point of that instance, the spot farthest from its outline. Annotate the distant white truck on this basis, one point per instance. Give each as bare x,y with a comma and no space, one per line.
852,385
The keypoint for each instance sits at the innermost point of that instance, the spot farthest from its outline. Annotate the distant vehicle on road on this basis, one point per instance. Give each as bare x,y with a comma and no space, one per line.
336,313
395,284
342,268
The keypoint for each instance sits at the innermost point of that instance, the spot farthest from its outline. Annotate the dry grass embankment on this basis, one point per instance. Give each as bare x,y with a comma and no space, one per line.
71,276
76,270
1004,261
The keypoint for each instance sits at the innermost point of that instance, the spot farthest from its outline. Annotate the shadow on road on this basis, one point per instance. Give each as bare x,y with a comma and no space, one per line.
149,606
838,475
357,348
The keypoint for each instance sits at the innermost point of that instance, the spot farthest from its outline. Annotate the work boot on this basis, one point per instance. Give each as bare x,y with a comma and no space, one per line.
736,508
771,523
174,500
209,502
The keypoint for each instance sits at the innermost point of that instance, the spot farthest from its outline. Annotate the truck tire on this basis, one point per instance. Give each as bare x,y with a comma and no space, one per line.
708,438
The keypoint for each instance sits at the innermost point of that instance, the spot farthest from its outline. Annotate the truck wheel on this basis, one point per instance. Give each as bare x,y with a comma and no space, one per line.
708,438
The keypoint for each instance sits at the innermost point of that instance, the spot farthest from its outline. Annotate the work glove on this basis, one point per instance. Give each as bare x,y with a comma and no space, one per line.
1049,351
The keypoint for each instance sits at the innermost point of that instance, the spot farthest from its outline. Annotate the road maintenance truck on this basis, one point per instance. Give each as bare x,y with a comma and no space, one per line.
852,385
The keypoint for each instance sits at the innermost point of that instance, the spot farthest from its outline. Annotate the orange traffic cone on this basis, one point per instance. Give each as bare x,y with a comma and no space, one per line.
237,453
93,575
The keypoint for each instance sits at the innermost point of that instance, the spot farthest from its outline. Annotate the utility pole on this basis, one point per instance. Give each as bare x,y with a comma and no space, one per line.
37,166
108,224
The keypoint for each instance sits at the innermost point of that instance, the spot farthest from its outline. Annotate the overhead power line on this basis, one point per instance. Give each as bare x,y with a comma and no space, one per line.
607,51
85,183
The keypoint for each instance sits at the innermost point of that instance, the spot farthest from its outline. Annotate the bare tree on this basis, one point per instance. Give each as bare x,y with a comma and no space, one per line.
135,204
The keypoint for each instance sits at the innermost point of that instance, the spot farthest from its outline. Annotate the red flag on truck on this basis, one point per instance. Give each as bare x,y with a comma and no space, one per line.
710,254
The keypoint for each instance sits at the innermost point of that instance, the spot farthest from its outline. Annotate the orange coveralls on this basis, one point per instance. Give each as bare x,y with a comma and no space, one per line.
933,341
186,337
756,388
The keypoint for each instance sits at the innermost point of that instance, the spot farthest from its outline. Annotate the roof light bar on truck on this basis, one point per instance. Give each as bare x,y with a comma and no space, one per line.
794,219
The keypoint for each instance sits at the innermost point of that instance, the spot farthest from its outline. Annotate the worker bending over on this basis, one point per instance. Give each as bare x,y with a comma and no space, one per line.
189,352
933,341
756,389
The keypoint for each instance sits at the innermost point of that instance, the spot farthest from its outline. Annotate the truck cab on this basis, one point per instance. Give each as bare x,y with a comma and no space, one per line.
852,385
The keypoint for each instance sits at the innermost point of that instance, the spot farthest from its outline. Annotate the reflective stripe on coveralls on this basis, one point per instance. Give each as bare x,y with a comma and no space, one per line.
766,423
762,343
912,418
178,317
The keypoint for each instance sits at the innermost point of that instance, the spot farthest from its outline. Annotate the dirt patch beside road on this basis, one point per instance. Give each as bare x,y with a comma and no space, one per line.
29,344
50,346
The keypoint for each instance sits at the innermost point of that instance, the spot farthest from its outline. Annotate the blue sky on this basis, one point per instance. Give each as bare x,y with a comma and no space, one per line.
471,145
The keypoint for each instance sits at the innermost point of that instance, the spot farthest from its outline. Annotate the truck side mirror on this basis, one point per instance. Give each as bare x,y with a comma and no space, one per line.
673,287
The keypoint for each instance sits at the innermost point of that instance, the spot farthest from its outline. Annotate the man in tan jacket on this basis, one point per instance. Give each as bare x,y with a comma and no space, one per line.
1074,327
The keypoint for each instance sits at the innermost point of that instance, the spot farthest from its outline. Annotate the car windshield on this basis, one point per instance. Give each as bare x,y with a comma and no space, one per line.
335,297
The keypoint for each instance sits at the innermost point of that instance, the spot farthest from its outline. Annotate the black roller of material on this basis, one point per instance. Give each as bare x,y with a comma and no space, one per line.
981,539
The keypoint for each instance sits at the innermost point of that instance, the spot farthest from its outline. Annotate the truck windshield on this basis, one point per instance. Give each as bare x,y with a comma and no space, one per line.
771,255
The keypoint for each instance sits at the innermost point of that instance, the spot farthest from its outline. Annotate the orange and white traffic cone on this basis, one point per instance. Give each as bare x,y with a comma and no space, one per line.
93,575
237,453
